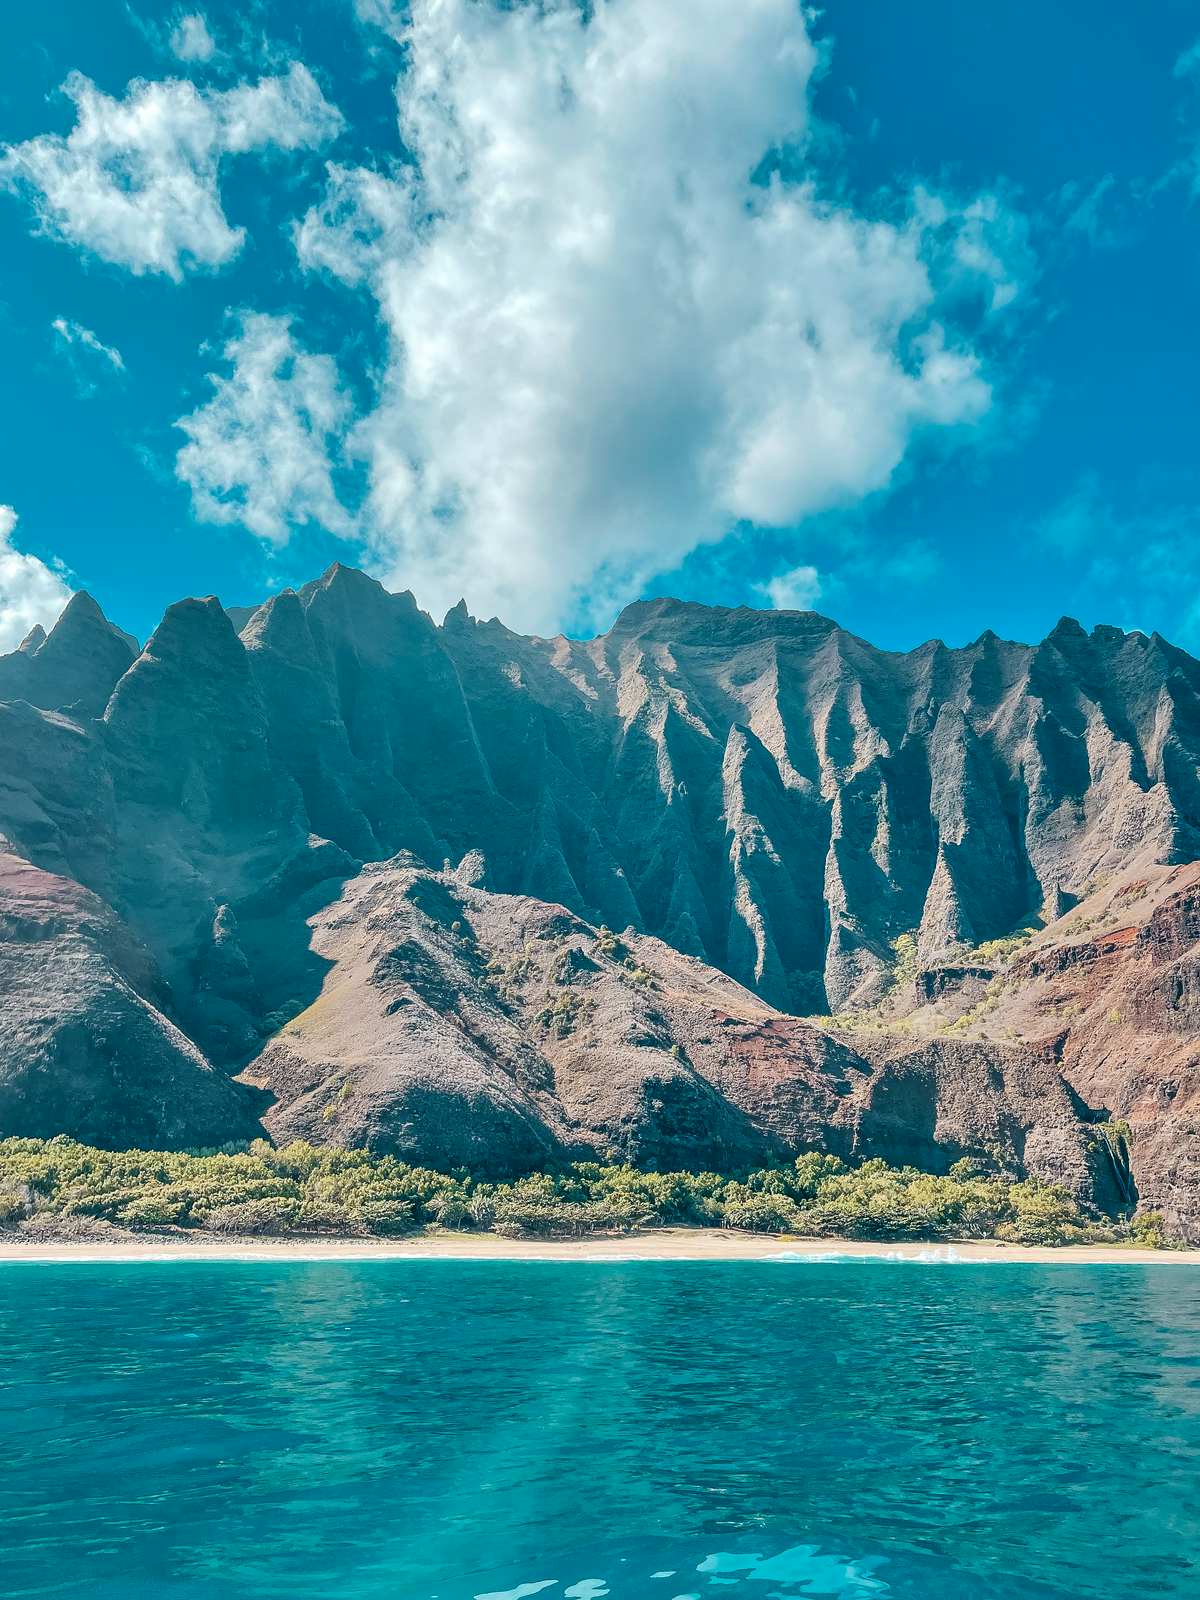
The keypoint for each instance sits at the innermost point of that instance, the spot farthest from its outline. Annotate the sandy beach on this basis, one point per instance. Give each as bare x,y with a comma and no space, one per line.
666,1244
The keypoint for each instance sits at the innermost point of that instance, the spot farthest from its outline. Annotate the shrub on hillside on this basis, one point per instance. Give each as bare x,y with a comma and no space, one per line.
255,1216
385,1216
156,1208
16,1203
1149,1230
1043,1213
760,1213
302,1188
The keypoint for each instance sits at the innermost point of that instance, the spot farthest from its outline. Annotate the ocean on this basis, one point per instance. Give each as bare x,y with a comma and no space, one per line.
456,1429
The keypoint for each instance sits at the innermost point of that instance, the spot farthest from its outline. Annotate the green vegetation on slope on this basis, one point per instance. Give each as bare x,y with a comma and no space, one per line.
302,1189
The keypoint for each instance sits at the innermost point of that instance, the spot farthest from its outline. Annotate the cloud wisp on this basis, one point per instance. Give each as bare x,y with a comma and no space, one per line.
136,181
74,333
191,39
31,592
795,590
259,450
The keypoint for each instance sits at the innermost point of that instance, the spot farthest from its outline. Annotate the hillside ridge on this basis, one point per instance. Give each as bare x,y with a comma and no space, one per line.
799,814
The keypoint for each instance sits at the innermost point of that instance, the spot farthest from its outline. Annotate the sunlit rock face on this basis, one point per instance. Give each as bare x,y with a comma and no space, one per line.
781,799
759,796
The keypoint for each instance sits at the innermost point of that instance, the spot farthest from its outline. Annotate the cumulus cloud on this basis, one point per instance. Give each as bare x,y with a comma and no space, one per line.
75,334
191,40
616,330
30,591
136,180
797,590
617,325
259,451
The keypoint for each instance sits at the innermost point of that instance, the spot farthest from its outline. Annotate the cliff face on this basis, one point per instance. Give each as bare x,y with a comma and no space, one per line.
759,796
459,1026
1111,992
83,1045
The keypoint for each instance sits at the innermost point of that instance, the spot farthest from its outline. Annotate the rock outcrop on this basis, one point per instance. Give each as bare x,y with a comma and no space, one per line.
269,802
461,1027
74,667
1112,992
85,1049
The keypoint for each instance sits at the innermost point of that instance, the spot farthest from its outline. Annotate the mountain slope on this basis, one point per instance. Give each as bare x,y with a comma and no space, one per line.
84,1048
458,1026
765,803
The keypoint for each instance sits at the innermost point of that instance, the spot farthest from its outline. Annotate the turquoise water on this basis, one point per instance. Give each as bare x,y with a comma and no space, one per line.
214,1431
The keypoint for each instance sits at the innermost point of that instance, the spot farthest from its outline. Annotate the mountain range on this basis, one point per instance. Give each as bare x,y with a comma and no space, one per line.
716,886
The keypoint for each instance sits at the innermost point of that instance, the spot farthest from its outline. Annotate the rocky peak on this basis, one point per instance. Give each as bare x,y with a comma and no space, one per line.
280,623
186,726
1067,631
764,787
74,667
769,808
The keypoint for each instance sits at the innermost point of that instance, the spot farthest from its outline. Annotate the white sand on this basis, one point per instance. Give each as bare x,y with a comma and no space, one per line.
660,1244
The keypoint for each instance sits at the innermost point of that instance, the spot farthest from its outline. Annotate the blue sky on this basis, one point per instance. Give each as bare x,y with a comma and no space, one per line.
890,309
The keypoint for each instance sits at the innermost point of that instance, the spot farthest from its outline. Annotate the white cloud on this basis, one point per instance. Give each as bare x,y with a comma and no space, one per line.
385,14
607,344
258,452
364,219
74,333
797,590
191,40
137,180
30,591
975,247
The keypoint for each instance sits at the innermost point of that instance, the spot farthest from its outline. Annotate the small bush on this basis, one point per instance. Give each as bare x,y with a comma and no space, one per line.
565,1013
1043,1213
1149,1231
761,1213
255,1216
905,964
16,1203
385,1216
162,1208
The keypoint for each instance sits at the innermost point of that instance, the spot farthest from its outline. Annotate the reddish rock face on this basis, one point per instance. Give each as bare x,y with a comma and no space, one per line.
84,1048
460,1026
265,805
1115,987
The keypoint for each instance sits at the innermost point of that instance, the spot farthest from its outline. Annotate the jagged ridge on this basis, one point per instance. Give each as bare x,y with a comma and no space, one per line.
760,790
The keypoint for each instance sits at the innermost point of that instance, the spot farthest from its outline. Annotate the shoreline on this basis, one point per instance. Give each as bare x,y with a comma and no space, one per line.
665,1244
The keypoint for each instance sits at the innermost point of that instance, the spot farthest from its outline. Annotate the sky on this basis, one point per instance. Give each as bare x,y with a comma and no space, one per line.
884,310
